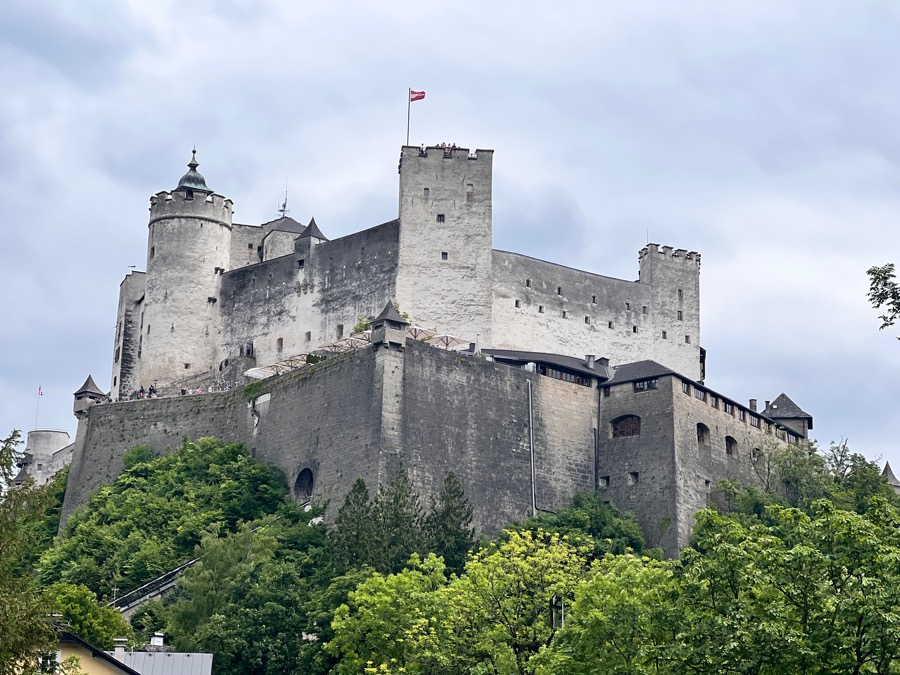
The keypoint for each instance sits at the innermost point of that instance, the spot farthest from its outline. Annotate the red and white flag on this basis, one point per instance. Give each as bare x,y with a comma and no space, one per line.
416,95
40,391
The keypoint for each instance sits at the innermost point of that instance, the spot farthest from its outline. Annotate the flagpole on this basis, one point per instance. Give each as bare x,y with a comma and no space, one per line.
408,104
37,408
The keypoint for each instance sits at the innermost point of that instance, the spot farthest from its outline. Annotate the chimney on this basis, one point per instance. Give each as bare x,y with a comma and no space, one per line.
119,649
753,404
157,640
603,361
590,360
767,405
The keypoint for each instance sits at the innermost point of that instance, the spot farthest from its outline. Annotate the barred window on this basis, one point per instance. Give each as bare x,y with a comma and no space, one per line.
627,425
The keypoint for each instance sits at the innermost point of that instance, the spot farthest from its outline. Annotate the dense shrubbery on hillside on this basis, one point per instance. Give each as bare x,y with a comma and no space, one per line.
151,518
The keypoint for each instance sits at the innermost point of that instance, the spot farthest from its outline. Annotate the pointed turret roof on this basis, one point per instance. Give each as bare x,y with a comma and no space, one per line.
90,387
193,179
889,475
312,230
784,408
390,315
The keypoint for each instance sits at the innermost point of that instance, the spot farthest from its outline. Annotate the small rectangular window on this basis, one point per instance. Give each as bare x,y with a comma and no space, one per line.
627,306
440,217
148,329
540,309
714,401
187,366
528,283
728,408
644,309
444,255
687,339
587,320
680,295
606,392
470,192
593,299
665,335
518,304
699,394
679,315
340,331
609,324
565,314
559,290
604,481
301,263
634,329
425,192
115,380
250,246
742,415
308,336
152,251
633,477
686,387
646,385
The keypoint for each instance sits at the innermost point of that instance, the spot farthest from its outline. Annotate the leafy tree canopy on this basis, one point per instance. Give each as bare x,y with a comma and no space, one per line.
152,516
884,293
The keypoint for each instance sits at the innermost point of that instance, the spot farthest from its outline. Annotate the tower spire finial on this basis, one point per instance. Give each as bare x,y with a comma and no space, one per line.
193,179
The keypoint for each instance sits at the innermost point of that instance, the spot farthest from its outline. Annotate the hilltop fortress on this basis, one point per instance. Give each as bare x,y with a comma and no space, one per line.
528,379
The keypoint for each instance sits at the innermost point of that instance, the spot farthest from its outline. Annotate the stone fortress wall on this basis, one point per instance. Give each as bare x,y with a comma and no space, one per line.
557,309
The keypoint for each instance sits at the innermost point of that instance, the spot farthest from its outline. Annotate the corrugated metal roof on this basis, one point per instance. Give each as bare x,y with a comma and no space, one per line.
169,663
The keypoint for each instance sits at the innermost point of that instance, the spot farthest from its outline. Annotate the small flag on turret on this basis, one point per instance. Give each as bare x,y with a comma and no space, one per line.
40,391
416,95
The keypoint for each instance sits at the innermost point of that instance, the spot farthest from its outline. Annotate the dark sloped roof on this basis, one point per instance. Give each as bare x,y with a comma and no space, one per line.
639,370
390,313
90,387
71,639
568,362
784,408
312,230
891,478
192,179
284,224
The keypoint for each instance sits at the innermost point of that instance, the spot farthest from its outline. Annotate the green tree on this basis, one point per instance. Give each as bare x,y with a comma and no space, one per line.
151,517
397,519
884,293
86,618
448,528
623,618
350,539
592,522
494,618
246,601
25,629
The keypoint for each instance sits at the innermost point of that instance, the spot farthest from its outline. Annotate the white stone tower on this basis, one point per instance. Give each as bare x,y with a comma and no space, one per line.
187,251
444,263
673,276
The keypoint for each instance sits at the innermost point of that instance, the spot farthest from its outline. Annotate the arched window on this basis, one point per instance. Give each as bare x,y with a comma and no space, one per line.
279,345
627,425
303,488
730,446
702,434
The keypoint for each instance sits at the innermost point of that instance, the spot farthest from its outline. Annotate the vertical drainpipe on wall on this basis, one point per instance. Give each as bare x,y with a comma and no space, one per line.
531,449
597,437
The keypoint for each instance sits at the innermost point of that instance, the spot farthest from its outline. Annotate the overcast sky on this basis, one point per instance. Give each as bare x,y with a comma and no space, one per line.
765,135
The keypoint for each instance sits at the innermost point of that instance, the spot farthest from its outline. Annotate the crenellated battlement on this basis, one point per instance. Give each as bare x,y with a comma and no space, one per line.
439,153
669,253
190,204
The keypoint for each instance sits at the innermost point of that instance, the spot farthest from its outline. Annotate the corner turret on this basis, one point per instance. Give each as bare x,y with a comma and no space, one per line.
87,395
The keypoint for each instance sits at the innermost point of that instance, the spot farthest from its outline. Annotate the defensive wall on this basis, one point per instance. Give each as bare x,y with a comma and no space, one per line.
360,414
546,307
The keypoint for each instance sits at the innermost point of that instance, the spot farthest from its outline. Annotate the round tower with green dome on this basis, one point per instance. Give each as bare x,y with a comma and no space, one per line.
187,251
